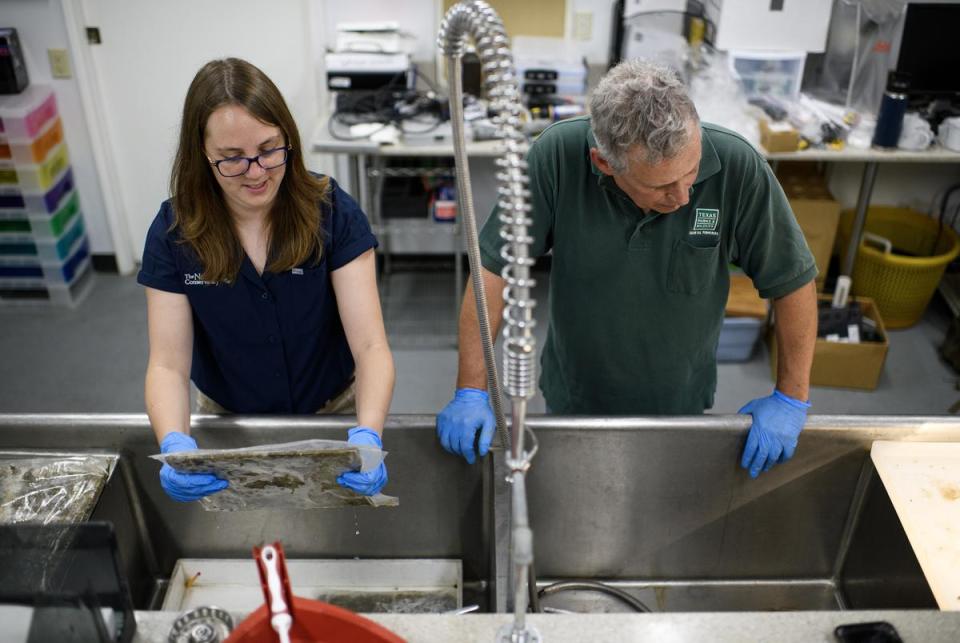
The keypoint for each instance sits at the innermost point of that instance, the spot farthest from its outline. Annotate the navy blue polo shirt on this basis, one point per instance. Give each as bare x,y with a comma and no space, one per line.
272,343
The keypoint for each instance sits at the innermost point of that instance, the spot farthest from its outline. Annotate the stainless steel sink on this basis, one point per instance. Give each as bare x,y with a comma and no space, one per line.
660,508
656,507
441,512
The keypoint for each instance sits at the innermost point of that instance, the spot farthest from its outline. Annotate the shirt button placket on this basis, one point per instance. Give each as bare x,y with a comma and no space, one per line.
277,349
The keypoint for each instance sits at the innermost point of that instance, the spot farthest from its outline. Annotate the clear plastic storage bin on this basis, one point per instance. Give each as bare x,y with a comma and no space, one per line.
14,200
32,151
25,271
16,225
23,115
35,292
52,250
18,246
15,247
35,177
51,226
774,73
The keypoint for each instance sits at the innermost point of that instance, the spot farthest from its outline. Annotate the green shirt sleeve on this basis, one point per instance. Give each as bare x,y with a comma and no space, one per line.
542,168
770,246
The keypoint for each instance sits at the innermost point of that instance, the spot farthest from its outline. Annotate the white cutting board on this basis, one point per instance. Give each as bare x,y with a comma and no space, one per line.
923,482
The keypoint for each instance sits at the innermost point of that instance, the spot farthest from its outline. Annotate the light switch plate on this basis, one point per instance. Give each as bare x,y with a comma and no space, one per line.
59,63
583,25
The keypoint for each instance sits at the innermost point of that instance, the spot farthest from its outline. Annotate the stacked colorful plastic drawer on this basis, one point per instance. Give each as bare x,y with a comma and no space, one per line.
44,251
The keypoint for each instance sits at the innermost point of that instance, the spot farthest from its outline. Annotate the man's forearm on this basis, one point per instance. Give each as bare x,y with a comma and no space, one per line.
796,331
472,370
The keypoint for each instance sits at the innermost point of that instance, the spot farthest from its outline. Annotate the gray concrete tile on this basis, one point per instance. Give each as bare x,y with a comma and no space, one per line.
93,358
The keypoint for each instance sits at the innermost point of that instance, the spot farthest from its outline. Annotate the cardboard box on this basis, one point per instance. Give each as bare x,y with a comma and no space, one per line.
818,218
778,137
817,212
843,365
743,300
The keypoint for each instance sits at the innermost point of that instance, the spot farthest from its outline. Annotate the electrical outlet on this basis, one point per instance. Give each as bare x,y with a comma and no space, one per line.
583,25
59,63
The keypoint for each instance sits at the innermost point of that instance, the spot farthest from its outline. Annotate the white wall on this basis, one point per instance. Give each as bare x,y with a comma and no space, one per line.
177,43
595,50
170,40
418,18
40,26
150,53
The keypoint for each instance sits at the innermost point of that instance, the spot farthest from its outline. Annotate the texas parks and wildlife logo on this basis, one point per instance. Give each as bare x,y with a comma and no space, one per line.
705,222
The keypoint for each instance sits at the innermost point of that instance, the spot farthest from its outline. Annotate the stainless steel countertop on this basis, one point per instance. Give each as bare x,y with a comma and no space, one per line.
815,536
783,627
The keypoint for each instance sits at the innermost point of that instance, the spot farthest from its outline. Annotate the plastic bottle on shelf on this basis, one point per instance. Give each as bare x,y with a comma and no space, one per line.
444,206
893,106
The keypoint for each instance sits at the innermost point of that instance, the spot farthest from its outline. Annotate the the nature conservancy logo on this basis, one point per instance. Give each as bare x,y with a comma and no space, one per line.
196,279
705,222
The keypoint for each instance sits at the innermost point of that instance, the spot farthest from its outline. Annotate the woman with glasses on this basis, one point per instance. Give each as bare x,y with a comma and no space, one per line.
260,280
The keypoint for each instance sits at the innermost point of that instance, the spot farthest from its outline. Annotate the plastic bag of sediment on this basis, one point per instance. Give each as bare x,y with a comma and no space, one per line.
54,488
291,475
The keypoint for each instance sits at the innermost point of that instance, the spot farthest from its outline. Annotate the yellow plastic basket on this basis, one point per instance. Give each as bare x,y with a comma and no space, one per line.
901,281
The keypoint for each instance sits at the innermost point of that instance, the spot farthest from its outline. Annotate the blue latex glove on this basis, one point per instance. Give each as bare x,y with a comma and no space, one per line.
371,482
457,425
186,487
777,422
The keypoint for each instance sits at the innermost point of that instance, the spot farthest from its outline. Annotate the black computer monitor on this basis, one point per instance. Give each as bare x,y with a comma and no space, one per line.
929,50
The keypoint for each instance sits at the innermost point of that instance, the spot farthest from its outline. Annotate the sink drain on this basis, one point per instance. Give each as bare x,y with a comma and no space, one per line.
202,625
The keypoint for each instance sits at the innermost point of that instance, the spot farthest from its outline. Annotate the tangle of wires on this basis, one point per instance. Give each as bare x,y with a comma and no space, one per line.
411,111
945,222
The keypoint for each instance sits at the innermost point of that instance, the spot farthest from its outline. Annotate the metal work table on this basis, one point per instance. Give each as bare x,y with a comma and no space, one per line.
935,154
367,162
783,627
368,168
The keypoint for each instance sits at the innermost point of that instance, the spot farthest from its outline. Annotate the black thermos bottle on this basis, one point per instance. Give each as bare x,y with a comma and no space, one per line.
893,105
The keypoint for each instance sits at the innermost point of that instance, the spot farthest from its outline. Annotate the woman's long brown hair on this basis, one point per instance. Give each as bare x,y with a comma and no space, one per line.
200,210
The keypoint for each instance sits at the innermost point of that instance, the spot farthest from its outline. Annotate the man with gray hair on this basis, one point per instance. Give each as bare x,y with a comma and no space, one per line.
645,208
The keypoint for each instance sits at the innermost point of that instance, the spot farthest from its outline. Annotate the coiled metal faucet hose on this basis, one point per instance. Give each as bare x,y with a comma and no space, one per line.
479,20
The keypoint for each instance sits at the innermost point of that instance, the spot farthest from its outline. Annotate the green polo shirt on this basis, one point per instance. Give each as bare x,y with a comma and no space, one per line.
637,298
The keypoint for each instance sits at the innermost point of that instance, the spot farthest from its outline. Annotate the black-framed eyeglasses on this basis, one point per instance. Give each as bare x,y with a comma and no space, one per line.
237,165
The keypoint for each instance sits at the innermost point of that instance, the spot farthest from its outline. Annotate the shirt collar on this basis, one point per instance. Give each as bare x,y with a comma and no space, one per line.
591,143
709,160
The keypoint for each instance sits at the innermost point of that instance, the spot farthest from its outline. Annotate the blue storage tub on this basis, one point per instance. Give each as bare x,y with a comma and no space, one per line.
738,337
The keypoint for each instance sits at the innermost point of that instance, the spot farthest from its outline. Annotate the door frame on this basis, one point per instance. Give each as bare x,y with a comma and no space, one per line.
91,97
